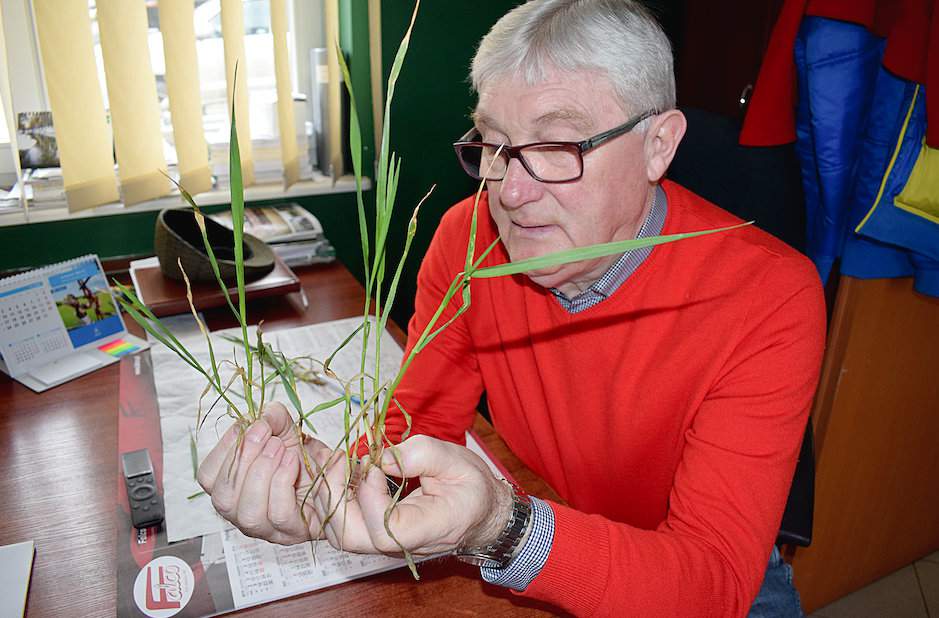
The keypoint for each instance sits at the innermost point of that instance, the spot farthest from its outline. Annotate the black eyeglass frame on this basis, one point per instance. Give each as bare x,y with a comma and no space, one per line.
515,152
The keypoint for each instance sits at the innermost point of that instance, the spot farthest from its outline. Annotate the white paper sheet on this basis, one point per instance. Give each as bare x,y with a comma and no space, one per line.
179,387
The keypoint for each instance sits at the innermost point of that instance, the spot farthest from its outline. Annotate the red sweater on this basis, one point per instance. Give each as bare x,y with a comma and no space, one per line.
668,417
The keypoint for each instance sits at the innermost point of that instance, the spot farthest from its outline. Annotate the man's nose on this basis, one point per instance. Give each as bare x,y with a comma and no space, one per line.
518,187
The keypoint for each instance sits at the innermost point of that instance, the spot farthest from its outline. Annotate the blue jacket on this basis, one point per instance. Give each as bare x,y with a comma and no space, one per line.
860,132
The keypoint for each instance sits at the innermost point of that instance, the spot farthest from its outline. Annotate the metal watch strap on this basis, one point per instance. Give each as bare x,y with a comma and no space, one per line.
500,552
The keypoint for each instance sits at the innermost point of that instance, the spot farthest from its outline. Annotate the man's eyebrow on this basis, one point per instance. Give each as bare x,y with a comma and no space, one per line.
565,115
580,121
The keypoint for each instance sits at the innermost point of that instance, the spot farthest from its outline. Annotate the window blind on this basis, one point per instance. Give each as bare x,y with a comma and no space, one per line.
125,121
333,89
233,29
285,117
82,133
8,116
132,98
182,85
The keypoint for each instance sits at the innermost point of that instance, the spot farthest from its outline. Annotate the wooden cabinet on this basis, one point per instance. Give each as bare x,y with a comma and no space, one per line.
877,440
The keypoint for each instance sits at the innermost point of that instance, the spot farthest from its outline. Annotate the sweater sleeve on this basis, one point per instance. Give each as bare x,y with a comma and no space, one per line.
708,557
442,387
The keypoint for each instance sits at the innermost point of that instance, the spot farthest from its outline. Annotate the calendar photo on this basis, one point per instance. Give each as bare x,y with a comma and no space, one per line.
84,302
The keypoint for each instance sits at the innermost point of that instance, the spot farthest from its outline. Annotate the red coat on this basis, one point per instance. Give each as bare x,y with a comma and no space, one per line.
911,28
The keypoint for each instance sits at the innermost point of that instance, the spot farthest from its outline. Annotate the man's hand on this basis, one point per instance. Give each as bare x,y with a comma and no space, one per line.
260,484
459,503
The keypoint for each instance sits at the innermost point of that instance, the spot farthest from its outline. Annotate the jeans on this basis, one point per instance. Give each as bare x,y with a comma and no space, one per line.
777,597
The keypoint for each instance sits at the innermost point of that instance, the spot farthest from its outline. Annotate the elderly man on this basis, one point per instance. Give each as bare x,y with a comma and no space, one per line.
663,393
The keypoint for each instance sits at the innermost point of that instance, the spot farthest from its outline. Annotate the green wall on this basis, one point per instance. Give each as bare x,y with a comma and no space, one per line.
430,111
431,108
131,234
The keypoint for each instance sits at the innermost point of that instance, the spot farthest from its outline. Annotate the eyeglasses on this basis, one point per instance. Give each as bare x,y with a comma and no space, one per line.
545,161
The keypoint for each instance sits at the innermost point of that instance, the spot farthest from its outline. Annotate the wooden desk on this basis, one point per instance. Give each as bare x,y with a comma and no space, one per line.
58,474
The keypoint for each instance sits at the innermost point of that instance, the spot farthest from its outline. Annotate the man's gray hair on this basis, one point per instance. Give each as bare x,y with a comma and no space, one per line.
619,39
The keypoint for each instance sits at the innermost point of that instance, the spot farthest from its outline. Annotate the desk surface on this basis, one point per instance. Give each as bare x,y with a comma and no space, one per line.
58,473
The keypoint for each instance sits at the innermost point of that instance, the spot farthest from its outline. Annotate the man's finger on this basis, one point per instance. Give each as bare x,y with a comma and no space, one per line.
335,505
374,500
275,414
423,456
228,484
330,485
251,514
212,464
284,506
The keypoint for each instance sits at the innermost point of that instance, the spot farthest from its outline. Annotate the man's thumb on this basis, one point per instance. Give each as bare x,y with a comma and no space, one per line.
417,456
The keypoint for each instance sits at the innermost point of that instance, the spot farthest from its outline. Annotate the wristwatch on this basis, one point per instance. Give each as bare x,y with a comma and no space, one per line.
499,553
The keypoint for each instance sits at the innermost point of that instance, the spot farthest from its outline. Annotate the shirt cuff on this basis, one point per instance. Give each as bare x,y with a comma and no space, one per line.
526,566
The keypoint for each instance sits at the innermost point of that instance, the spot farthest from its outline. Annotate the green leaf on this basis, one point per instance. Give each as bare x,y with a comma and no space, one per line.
279,362
344,343
194,454
484,254
407,419
238,223
393,288
355,146
143,316
202,327
200,222
589,253
319,408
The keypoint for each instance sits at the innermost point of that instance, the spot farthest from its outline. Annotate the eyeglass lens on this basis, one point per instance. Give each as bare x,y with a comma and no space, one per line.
549,162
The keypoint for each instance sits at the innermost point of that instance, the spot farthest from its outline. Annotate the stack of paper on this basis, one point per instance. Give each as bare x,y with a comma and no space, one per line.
293,232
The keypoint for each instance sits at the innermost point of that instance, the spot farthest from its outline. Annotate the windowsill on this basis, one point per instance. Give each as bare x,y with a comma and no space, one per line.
320,186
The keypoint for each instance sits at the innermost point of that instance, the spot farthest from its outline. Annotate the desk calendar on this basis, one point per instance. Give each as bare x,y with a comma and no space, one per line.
60,322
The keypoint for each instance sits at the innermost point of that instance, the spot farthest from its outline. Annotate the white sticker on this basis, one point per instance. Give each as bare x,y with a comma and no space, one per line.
163,587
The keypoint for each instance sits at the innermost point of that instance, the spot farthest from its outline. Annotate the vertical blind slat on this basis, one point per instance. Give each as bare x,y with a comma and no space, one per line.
182,85
285,118
83,136
334,89
132,95
233,31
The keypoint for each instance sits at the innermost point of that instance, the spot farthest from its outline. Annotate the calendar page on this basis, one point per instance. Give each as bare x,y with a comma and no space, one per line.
48,313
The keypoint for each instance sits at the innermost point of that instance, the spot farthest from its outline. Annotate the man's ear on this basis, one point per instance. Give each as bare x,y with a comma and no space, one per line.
662,139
